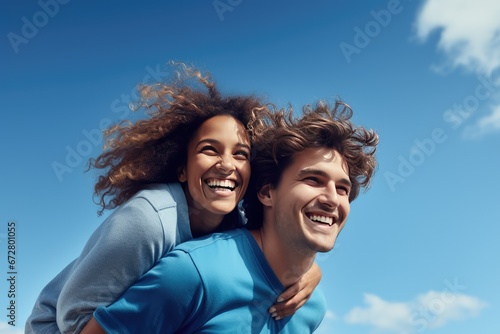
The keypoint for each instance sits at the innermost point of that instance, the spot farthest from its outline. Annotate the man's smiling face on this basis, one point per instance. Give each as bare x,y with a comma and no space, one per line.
311,202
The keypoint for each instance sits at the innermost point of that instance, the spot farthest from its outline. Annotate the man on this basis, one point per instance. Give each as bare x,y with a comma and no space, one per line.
305,173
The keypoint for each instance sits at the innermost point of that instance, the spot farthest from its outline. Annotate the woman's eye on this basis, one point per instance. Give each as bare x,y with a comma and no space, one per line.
242,154
208,149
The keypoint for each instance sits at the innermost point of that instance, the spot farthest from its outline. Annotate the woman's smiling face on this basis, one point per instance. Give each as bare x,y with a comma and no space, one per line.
217,170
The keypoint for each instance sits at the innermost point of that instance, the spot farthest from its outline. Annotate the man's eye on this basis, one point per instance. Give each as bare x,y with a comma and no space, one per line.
312,180
343,191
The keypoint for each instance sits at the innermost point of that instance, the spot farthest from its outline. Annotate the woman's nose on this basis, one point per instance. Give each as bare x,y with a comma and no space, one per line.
225,164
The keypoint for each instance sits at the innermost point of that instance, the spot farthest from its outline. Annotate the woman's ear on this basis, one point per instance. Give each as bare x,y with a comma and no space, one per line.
264,195
181,174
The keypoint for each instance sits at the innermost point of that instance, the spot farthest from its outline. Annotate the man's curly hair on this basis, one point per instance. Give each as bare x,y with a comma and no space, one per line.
280,137
154,149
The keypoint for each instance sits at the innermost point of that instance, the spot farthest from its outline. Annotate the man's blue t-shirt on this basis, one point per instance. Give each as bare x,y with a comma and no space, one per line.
217,284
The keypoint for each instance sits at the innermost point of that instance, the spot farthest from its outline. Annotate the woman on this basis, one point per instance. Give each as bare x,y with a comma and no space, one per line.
177,175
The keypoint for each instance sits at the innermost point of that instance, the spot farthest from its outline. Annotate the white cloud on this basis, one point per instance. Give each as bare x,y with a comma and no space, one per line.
469,32
330,315
445,307
430,310
468,35
485,125
8,329
326,326
380,314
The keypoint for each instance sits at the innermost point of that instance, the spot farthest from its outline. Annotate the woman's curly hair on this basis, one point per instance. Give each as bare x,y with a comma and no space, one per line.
280,136
154,149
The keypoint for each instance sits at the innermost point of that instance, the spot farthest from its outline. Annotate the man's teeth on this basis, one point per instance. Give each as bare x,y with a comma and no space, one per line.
322,219
227,184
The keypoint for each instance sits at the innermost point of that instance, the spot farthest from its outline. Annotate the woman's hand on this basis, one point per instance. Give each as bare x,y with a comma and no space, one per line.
296,295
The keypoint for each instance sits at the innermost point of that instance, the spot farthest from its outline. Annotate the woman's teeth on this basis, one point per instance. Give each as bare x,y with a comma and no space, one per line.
225,184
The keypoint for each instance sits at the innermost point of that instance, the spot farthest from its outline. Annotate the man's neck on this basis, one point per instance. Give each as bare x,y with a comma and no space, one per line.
288,263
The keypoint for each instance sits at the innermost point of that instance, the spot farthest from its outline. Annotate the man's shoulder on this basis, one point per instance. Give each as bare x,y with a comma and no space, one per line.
206,256
214,241
221,258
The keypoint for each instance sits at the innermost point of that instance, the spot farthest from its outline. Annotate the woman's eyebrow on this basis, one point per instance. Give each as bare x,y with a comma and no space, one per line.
243,145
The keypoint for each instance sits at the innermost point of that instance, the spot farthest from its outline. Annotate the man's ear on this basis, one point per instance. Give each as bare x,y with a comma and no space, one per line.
264,195
181,174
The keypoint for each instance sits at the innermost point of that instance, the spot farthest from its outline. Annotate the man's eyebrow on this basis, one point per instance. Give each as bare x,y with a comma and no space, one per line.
215,141
319,172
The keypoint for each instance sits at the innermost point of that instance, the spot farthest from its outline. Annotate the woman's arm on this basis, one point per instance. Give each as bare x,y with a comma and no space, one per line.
122,249
296,295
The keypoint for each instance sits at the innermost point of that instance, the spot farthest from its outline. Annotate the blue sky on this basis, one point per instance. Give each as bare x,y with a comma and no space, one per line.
419,253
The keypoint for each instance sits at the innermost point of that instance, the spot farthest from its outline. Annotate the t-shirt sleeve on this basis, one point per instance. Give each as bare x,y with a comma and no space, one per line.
165,300
42,319
121,250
